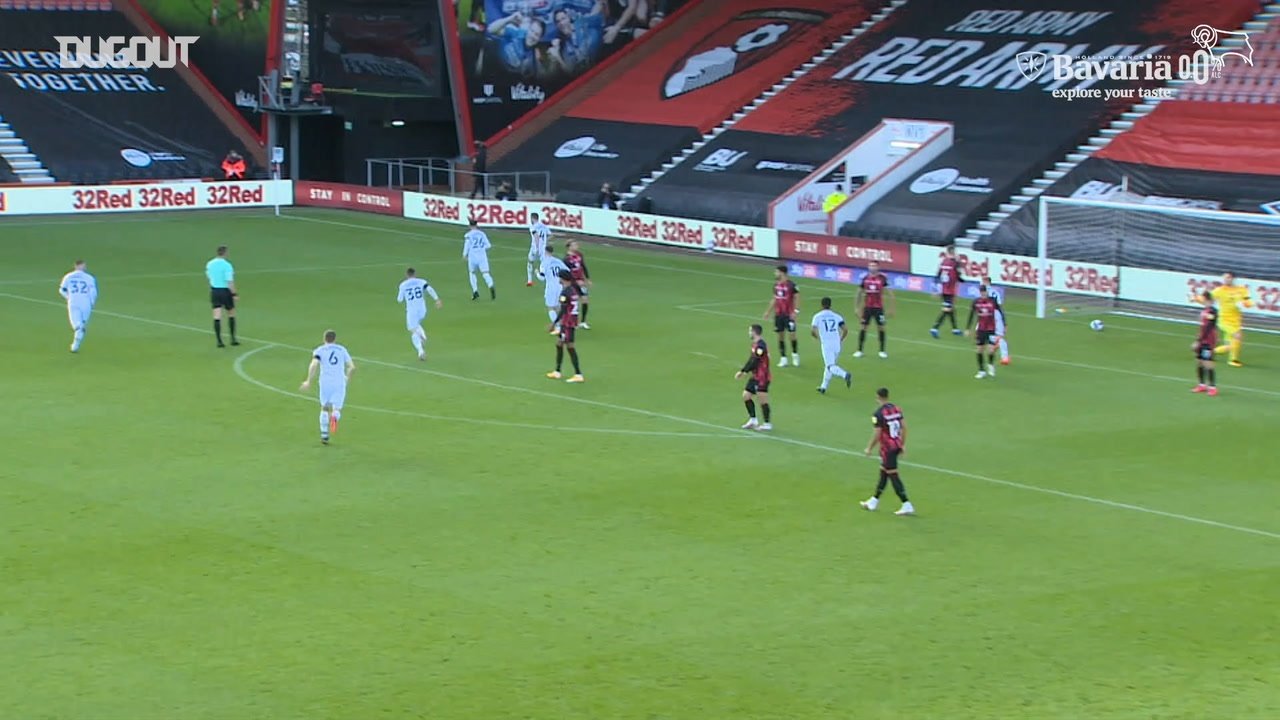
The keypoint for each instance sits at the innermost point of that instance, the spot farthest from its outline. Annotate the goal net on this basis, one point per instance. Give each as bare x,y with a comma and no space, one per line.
1145,260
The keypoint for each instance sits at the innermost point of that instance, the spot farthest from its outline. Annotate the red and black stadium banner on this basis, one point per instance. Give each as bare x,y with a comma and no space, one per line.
382,51
844,251
348,197
957,62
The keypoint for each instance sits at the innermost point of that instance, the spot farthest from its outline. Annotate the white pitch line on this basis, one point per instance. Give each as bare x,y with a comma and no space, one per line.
238,368
700,423
1034,358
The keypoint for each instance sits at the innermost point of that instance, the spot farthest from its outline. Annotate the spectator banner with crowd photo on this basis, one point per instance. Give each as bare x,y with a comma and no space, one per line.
88,125
391,52
958,62
517,53
232,49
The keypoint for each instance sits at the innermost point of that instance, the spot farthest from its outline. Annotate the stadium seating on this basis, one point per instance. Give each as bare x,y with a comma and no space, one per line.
1008,128
86,125
1212,146
699,71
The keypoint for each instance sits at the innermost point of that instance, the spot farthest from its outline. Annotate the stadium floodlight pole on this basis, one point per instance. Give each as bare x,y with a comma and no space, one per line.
1042,255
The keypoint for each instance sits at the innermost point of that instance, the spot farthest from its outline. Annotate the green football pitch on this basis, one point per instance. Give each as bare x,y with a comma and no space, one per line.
480,542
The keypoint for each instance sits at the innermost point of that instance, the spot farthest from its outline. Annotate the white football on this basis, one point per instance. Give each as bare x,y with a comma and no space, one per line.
1096,325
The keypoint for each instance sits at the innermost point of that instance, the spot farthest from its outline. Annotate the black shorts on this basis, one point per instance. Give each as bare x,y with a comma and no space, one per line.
889,459
1204,352
985,337
222,298
566,335
948,301
869,314
784,323
582,289
755,386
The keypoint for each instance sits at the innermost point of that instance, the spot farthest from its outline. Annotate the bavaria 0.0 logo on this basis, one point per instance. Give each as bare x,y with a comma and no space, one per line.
1198,67
123,53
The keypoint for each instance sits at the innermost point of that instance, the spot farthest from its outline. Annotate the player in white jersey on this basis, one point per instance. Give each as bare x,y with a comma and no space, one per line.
475,250
335,366
539,235
550,270
80,290
411,294
998,294
829,328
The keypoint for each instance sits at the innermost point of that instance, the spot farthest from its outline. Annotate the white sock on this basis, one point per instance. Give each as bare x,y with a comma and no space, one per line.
337,415
416,338
528,271
324,424
488,279
826,377
551,315
839,372
1004,349
79,336
472,278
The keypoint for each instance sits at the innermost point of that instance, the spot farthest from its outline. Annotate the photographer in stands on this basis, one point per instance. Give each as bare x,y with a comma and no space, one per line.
233,166
607,198
505,191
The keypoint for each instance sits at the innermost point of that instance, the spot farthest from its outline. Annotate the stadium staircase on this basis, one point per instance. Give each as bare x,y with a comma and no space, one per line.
24,166
1260,85
781,85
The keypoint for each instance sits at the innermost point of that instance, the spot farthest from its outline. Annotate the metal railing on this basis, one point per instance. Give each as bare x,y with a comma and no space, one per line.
444,175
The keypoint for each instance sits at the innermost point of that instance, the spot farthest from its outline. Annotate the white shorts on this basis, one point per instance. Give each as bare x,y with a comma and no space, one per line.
999,324
480,263
830,355
552,295
333,396
413,320
535,256
78,316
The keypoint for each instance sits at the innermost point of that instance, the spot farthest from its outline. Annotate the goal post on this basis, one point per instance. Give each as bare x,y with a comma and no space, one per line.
1146,259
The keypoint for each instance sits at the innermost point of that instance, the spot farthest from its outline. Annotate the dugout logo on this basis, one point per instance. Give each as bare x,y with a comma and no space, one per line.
744,41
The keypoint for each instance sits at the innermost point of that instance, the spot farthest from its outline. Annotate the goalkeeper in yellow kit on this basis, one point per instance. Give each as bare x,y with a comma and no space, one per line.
1231,299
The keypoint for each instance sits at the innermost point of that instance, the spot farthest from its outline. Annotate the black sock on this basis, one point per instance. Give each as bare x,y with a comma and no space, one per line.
782,348
1200,373
952,314
585,307
1213,377
862,338
232,322
884,478
559,357
938,323
991,359
981,367
795,347
898,486
573,355
764,407
217,330
751,409
881,341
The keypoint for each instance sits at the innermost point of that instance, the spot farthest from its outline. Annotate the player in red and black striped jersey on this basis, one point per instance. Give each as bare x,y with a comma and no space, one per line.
1206,341
890,434
985,309
567,322
581,278
948,278
784,306
871,299
756,369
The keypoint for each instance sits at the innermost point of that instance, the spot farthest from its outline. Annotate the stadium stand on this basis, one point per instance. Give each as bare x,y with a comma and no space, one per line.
949,62
85,125
701,71
1212,146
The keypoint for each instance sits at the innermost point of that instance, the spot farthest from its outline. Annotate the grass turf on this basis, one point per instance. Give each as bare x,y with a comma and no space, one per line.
480,542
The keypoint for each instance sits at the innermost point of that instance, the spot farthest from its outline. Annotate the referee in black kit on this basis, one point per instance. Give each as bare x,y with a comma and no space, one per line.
222,293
